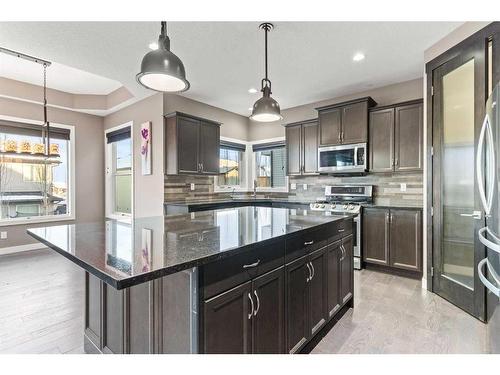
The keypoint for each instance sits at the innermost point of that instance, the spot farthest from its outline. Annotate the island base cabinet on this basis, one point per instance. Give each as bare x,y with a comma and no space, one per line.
318,290
346,267
248,318
227,322
333,258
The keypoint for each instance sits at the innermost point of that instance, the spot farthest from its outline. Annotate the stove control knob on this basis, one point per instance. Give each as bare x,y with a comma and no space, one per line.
322,206
316,205
345,206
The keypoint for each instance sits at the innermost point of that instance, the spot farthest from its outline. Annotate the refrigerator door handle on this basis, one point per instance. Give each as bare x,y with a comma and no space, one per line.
495,290
486,242
486,134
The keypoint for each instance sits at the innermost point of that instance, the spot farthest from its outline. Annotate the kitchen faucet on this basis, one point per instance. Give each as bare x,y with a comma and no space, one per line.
255,188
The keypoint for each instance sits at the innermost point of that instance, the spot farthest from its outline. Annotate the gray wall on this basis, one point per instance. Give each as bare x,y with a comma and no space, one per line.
395,93
89,163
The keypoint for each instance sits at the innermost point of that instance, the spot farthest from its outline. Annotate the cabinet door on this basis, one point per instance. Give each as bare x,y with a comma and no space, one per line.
318,292
293,149
227,324
209,148
409,138
297,304
406,239
346,270
269,318
310,148
376,235
330,126
188,144
333,287
355,123
381,143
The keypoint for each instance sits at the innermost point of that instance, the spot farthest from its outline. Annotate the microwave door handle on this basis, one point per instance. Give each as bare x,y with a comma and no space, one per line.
356,156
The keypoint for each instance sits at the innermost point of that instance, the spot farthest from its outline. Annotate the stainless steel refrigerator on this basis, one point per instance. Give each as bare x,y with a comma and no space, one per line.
488,178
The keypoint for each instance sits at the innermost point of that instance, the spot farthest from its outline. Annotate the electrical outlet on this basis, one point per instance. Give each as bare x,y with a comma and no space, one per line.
293,186
403,187
3,235
304,186
192,187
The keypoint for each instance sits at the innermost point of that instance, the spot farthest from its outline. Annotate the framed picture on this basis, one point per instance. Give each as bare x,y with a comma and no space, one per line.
146,148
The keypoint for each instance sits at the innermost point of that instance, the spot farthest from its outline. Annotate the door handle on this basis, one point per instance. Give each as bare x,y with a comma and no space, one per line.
487,132
342,249
258,303
251,303
495,290
309,269
475,214
313,271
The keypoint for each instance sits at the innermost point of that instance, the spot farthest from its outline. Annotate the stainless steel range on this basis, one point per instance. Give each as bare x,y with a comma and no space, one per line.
347,199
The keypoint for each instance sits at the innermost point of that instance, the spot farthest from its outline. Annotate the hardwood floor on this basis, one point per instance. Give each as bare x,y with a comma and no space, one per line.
393,314
41,311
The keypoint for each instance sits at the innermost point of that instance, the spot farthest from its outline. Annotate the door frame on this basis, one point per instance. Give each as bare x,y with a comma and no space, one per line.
489,32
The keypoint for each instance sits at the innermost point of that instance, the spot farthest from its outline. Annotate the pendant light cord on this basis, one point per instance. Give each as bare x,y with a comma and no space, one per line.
265,42
163,28
45,121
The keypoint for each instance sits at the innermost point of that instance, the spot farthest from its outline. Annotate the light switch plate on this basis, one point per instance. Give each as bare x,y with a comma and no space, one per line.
304,186
3,235
192,187
403,186
293,186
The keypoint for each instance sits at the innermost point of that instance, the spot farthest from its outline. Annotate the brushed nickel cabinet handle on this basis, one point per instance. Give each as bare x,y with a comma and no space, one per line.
252,265
251,304
341,230
309,269
258,303
313,271
307,243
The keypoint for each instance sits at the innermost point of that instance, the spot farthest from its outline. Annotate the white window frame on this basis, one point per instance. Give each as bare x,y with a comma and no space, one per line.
281,189
71,209
108,159
243,187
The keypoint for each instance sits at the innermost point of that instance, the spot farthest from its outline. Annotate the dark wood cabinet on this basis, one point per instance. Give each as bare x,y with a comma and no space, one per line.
408,137
191,145
346,270
396,137
297,304
318,292
334,301
406,239
227,322
344,123
381,143
393,238
249,318
302,148
269,315
376,235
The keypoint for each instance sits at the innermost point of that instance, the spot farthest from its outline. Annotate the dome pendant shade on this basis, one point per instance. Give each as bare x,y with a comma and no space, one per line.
266,109
162,70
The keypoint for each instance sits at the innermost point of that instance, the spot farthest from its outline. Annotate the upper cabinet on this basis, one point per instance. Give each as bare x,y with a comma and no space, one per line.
344,123
191,145
302,148
396,137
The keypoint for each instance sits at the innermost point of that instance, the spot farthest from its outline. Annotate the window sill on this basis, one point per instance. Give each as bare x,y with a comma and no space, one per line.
35,220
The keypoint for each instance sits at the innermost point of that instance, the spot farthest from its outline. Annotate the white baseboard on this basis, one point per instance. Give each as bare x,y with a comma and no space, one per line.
21,248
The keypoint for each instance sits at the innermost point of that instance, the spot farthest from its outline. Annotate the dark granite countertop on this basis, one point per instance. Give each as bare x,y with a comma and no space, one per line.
240,200
124,253
409,207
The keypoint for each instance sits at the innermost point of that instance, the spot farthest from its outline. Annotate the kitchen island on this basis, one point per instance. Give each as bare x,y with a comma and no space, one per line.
238,280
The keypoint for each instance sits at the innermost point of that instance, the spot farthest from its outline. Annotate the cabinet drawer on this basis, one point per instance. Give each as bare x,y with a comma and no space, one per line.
224,274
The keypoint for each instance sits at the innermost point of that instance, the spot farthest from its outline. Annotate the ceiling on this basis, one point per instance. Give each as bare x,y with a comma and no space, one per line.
309,61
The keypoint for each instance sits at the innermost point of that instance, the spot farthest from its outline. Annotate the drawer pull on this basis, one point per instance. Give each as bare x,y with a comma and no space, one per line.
252,265
341,230
307,243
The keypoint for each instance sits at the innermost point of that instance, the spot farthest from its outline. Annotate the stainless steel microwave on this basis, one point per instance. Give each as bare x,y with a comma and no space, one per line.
342,159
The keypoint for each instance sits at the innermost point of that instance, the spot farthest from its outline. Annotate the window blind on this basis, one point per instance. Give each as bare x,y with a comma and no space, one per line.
32,130
119,135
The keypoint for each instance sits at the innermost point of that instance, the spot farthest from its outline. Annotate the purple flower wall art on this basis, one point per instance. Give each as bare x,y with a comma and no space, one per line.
146,148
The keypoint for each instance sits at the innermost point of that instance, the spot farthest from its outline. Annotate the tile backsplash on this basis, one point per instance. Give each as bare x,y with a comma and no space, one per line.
386,187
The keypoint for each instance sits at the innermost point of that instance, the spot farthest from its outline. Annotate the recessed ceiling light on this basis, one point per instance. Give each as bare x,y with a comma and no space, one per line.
358,57
153,46
252,90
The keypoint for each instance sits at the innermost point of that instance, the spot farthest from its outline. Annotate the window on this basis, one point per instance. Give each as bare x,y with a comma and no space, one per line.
33,186
270,166
231,165
119,172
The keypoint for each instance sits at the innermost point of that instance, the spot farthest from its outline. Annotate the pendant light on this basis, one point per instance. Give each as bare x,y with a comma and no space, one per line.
266,109
162,70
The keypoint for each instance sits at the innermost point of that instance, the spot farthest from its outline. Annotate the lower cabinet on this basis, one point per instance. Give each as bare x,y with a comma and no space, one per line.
346,269
392,237
248,318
